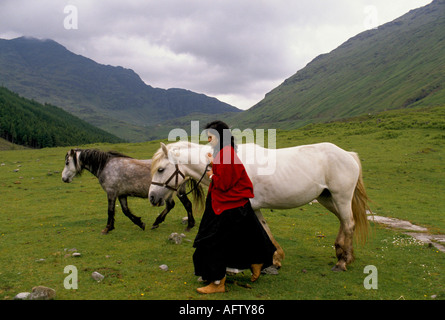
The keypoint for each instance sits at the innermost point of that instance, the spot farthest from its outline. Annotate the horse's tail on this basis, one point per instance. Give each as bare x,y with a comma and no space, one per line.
360,206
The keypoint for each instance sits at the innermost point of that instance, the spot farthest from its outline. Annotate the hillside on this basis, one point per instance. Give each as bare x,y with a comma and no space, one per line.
34,125
6,145
399,65
112,98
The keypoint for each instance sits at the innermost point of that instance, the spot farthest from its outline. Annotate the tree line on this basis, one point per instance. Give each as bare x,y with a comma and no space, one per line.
29,123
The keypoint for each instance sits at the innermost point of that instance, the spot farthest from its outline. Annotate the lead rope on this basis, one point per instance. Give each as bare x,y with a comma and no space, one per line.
202,177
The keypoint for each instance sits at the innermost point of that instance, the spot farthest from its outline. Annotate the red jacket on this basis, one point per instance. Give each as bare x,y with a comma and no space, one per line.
231,186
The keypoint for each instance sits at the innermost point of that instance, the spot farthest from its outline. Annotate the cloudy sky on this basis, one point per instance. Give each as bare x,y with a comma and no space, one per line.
235,50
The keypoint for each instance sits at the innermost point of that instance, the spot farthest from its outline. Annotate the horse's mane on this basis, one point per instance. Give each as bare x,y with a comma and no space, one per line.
156,159
160,154
96,160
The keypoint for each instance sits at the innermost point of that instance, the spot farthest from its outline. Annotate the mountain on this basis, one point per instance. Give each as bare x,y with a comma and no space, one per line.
400,64
112,98
29,123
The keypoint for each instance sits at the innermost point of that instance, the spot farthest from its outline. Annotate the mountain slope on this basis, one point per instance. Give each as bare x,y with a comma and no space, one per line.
401,64
31,124
112,98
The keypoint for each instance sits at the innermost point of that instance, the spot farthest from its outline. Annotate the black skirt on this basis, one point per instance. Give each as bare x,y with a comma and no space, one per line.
234,239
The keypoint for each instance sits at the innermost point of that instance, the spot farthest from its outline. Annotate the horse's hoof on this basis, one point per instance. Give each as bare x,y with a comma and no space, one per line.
155,226
107,229
142,226
338,268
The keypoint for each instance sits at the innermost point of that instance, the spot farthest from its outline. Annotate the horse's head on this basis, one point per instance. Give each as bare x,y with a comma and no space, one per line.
165,175
72,167
172,165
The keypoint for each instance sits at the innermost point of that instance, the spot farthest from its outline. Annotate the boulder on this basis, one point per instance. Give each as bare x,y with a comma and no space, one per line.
97,276
270,270
42,293
22,296
175,238
163,267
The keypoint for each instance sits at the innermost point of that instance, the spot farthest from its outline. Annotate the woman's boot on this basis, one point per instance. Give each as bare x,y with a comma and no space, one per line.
256,271
214,287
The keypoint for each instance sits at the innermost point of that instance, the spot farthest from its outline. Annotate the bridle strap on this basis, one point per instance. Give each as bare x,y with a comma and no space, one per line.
176,175
196,186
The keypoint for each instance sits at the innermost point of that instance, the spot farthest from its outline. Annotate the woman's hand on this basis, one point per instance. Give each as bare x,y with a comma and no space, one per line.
210,158
210,171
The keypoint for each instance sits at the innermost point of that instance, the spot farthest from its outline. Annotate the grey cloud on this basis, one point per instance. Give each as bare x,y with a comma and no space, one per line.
225,48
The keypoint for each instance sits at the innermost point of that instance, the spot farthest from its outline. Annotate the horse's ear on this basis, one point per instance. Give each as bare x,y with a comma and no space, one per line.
164,148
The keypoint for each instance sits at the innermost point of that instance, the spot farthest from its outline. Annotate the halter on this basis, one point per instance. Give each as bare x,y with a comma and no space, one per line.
176,175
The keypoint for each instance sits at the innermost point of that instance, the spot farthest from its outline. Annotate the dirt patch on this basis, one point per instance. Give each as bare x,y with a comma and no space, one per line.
417,232
437,240
398,224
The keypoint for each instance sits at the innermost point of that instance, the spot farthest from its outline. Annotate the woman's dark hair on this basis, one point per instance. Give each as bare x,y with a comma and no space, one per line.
222,131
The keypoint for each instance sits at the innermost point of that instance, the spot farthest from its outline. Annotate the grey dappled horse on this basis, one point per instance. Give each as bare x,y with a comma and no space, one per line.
121,177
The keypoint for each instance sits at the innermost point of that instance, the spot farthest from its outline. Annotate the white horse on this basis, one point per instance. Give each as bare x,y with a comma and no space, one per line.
282,179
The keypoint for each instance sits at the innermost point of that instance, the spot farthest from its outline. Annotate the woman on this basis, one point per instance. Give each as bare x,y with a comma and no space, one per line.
230,234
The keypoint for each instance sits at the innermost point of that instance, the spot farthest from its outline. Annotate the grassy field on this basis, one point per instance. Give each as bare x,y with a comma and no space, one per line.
43,221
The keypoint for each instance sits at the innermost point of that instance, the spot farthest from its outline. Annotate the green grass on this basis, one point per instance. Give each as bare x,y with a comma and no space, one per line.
42,218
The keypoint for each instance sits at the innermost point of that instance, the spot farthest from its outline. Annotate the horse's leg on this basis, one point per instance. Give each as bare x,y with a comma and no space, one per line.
110,221
279,254
126,210
169,204
189,208
344,242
